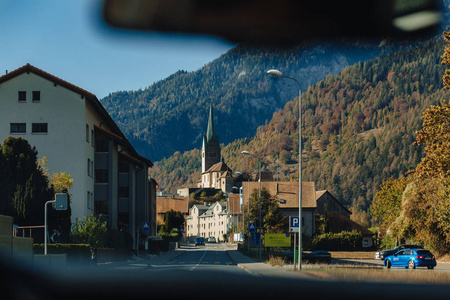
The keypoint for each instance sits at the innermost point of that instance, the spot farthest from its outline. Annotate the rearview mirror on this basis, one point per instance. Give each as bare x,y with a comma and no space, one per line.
278,21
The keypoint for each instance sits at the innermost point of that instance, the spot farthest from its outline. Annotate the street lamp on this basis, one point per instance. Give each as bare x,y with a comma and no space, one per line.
259,171
248,209
279,74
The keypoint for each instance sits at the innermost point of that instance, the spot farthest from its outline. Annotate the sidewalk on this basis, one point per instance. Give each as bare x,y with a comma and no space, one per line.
262,269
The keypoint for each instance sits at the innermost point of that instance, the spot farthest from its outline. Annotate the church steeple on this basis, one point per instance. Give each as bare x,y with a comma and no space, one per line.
210,148
210,133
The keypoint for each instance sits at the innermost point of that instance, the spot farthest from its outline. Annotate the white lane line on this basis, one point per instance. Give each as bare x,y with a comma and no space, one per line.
199,262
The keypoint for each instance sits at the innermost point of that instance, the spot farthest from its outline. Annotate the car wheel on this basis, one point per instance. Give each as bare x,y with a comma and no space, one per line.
411,265
430,267
388,264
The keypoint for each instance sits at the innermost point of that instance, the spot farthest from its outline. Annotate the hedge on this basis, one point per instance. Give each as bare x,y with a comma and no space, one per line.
343,241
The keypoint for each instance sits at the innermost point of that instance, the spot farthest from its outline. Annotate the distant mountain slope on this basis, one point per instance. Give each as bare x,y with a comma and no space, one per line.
358,129
171,115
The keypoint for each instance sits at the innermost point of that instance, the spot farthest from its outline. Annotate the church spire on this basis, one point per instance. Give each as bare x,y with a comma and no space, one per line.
210,133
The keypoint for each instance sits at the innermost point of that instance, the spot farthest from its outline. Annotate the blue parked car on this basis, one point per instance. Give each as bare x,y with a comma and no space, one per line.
199,241
411,258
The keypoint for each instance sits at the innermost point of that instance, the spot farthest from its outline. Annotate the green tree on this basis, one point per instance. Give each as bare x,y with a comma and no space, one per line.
272,219
91,230
173,219
24,188
387,204
59,222
425,214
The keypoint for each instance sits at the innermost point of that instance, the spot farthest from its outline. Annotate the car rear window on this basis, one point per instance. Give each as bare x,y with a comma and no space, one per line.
424,252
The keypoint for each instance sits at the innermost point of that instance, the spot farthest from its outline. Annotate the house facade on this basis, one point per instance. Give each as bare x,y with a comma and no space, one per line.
72,129
207,221
287,193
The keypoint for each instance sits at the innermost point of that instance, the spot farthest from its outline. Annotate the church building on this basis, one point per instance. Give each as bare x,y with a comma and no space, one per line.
215,172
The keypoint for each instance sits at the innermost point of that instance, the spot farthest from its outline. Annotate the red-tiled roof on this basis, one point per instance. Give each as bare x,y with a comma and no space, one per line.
218,167
165,204
29,68
287,191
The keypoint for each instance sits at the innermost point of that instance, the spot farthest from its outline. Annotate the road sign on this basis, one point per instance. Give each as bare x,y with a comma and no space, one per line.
293,224
277,240
251,227
145,226
256,239
61,201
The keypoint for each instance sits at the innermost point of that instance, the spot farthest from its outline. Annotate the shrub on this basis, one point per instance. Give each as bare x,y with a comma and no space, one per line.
342,241
91,230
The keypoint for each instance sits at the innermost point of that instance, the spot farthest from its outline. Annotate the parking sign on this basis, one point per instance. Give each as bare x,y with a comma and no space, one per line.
293,224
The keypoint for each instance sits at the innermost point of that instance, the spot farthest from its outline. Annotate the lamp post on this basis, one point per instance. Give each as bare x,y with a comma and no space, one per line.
259,171
279,74
248,209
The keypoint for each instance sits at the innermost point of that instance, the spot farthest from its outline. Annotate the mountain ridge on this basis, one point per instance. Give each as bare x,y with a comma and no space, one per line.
244,97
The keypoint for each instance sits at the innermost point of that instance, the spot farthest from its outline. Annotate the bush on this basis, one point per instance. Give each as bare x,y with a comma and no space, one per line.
91,230
343,241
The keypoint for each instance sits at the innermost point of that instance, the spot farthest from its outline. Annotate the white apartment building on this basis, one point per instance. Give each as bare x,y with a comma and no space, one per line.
207,221
72,129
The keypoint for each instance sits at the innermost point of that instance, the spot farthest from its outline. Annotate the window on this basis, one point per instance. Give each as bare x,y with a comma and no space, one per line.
101,176
39,128
18,128
87,133
124,167
124,192
92,138
90,168
101,207
36,96
101,145
22,96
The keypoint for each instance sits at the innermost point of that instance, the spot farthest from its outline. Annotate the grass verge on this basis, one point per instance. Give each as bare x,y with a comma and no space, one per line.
378,274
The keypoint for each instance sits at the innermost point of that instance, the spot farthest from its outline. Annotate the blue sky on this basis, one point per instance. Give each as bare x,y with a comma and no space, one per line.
68,39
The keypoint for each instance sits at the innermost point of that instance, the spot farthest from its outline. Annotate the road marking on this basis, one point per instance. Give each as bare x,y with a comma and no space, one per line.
198,263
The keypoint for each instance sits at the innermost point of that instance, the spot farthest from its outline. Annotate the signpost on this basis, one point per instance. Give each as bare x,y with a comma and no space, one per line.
256,239
145,226
293,224
294,227
251,227
60,204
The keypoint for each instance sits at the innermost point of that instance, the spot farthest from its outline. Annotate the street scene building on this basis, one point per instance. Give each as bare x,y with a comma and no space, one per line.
215,172
70,126
223,217
208,220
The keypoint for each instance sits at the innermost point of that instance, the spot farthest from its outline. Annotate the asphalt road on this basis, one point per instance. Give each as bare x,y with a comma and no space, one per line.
214,271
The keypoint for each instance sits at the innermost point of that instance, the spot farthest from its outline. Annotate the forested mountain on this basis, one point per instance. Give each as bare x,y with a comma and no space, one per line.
358,128
171,115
